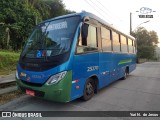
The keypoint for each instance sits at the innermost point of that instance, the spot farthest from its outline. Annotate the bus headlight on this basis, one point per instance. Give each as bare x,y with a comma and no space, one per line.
17,76
56,78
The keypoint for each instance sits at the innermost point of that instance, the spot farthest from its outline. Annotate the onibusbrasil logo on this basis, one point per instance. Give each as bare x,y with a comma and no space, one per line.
21,114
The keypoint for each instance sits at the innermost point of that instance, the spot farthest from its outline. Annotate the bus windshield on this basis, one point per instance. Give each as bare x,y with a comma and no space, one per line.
51,38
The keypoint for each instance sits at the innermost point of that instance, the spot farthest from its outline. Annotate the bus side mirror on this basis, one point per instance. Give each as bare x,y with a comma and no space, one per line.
84,31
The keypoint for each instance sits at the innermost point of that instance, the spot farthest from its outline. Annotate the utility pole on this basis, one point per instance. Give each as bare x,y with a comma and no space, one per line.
130,23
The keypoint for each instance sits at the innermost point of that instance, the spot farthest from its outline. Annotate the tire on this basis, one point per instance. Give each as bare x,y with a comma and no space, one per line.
88,90
125,75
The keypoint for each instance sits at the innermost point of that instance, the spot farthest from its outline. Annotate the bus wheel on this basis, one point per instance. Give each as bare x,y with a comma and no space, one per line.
88,90
125,75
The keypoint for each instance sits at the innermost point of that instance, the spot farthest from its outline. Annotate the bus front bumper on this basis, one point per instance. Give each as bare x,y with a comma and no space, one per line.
60,92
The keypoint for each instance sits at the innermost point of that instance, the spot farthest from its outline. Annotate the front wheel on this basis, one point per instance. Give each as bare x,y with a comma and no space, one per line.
88,90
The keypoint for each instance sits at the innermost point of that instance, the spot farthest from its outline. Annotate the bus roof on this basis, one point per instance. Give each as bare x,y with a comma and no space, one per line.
84,14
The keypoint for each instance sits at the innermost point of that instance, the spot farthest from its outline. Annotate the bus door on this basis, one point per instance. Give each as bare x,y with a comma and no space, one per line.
86,58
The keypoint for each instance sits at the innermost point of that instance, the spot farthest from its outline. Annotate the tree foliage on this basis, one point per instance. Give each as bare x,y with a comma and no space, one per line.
146,42
18,17
153,36
56,8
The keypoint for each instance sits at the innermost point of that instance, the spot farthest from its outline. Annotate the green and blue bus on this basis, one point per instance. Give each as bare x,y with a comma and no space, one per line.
73,56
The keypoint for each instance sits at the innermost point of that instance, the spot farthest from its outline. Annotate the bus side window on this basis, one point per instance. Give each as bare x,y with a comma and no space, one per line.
124,48
106,39
88,39
116,41
130,45
134,46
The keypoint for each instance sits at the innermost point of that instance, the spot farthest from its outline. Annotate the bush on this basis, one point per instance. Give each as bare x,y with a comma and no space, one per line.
8,61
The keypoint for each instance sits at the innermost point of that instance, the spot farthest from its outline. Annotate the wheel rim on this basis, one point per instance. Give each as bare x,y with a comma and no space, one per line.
89,89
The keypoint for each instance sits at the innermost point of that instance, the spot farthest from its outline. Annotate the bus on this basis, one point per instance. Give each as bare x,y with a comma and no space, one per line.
73,56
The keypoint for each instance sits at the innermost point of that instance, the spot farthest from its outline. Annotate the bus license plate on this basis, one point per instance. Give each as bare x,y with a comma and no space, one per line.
30,92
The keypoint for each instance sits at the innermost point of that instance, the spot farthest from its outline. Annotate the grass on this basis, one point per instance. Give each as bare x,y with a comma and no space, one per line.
8,61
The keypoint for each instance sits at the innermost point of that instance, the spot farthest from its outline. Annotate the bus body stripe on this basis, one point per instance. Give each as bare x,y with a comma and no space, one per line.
124,61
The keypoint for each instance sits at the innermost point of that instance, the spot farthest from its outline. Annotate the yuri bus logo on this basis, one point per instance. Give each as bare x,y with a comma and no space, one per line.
145,12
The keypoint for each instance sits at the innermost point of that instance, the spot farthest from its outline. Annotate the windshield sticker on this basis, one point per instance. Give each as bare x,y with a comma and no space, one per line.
42,53
39,54
57,26
49,52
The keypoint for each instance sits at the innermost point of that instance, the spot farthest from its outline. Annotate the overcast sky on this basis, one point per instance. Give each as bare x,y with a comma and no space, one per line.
117,12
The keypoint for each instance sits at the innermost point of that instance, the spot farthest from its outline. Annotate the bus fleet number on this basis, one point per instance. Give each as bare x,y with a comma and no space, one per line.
92,68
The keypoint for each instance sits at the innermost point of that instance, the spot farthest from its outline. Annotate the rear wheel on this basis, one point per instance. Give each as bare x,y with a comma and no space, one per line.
125,75
88,90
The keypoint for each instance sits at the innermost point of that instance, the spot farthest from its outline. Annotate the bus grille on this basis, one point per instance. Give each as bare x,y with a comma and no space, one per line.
32,84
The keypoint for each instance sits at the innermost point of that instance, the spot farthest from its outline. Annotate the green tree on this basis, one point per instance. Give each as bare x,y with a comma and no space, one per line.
145,51
18,17
154,37
142,37
41,6
2,36
57,8
49,8
146,42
